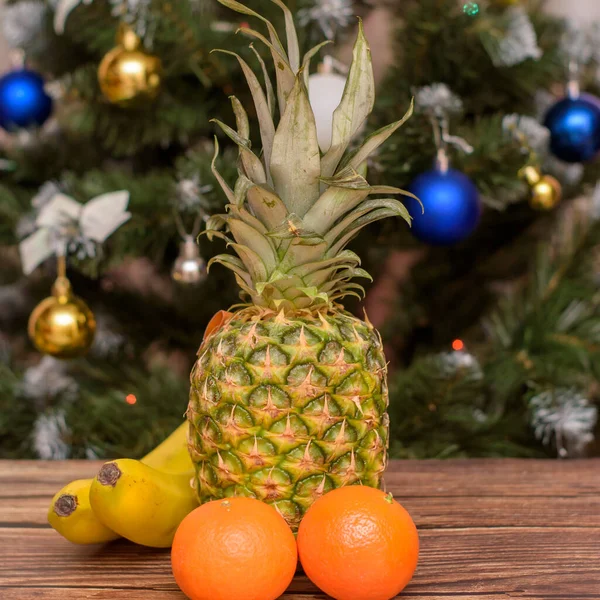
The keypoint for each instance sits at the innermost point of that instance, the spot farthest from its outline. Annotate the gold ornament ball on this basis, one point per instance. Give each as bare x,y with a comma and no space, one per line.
127,75
546,191
190,267
62,325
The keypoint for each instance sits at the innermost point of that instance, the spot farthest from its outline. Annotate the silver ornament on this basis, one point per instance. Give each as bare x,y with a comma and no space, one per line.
438,99
566,418
518,42
49,434
527,131
22,22
190,267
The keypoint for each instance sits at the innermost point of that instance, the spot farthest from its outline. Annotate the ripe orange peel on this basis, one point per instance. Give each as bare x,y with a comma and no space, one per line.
217,322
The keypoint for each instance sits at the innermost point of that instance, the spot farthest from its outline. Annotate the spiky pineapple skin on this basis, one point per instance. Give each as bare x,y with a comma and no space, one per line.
287,407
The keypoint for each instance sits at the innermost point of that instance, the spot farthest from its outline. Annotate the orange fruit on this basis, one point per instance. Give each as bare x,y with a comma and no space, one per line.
358,543
232,549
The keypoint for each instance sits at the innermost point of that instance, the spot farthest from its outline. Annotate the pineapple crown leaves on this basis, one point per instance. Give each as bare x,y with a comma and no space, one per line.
293,210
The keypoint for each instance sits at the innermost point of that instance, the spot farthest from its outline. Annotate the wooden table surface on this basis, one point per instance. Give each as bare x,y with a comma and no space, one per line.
489,529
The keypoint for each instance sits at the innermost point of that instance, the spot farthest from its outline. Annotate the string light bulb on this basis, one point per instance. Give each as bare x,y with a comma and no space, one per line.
458,345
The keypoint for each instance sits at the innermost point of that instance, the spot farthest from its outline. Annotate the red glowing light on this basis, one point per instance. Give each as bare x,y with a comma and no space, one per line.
458,345
130,399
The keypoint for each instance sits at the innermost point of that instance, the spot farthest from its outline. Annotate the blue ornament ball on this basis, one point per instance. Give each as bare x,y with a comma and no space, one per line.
574,125
451,207
23,100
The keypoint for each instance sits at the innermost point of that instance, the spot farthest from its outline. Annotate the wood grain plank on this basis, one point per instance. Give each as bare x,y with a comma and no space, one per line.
99,594
528,562
514,511
436,493
494,477
436,512
426,478
39,477
490,530
62,593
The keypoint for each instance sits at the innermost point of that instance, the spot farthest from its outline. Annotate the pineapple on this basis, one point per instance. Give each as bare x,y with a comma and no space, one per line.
288,398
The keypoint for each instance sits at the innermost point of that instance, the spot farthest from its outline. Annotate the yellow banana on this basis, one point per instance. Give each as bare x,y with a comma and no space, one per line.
140,503
70,512
172,455
72,516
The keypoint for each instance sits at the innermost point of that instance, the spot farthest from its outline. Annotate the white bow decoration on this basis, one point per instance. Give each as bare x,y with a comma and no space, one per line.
63,218
62,10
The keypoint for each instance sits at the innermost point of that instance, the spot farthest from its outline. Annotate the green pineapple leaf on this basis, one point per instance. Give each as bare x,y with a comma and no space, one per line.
283,72
299,252
233,263
293,228
356,104
343,287
241,120
242,185
252,262
241,8
268,84
372,142
347,178
215,223
295,163
363,169
252,164
292,212
307,58
213,167
239,212
335,274
345,258
314,294
291,35
250,238
331,205
343,292
396,209
393,208
267,206
265,120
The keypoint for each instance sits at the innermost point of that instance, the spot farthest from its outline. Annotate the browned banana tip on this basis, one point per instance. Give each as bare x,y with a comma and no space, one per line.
65,505
109,474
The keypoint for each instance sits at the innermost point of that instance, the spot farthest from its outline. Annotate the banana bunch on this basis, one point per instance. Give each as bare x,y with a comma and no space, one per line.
141,500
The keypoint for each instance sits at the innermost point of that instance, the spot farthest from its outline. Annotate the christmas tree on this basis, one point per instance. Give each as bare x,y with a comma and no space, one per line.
488,306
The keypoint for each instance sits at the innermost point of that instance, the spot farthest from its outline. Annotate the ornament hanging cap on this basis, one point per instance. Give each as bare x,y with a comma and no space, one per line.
61,289
438,102
16,58
331,65
576,45
128,38
189,248
530,174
